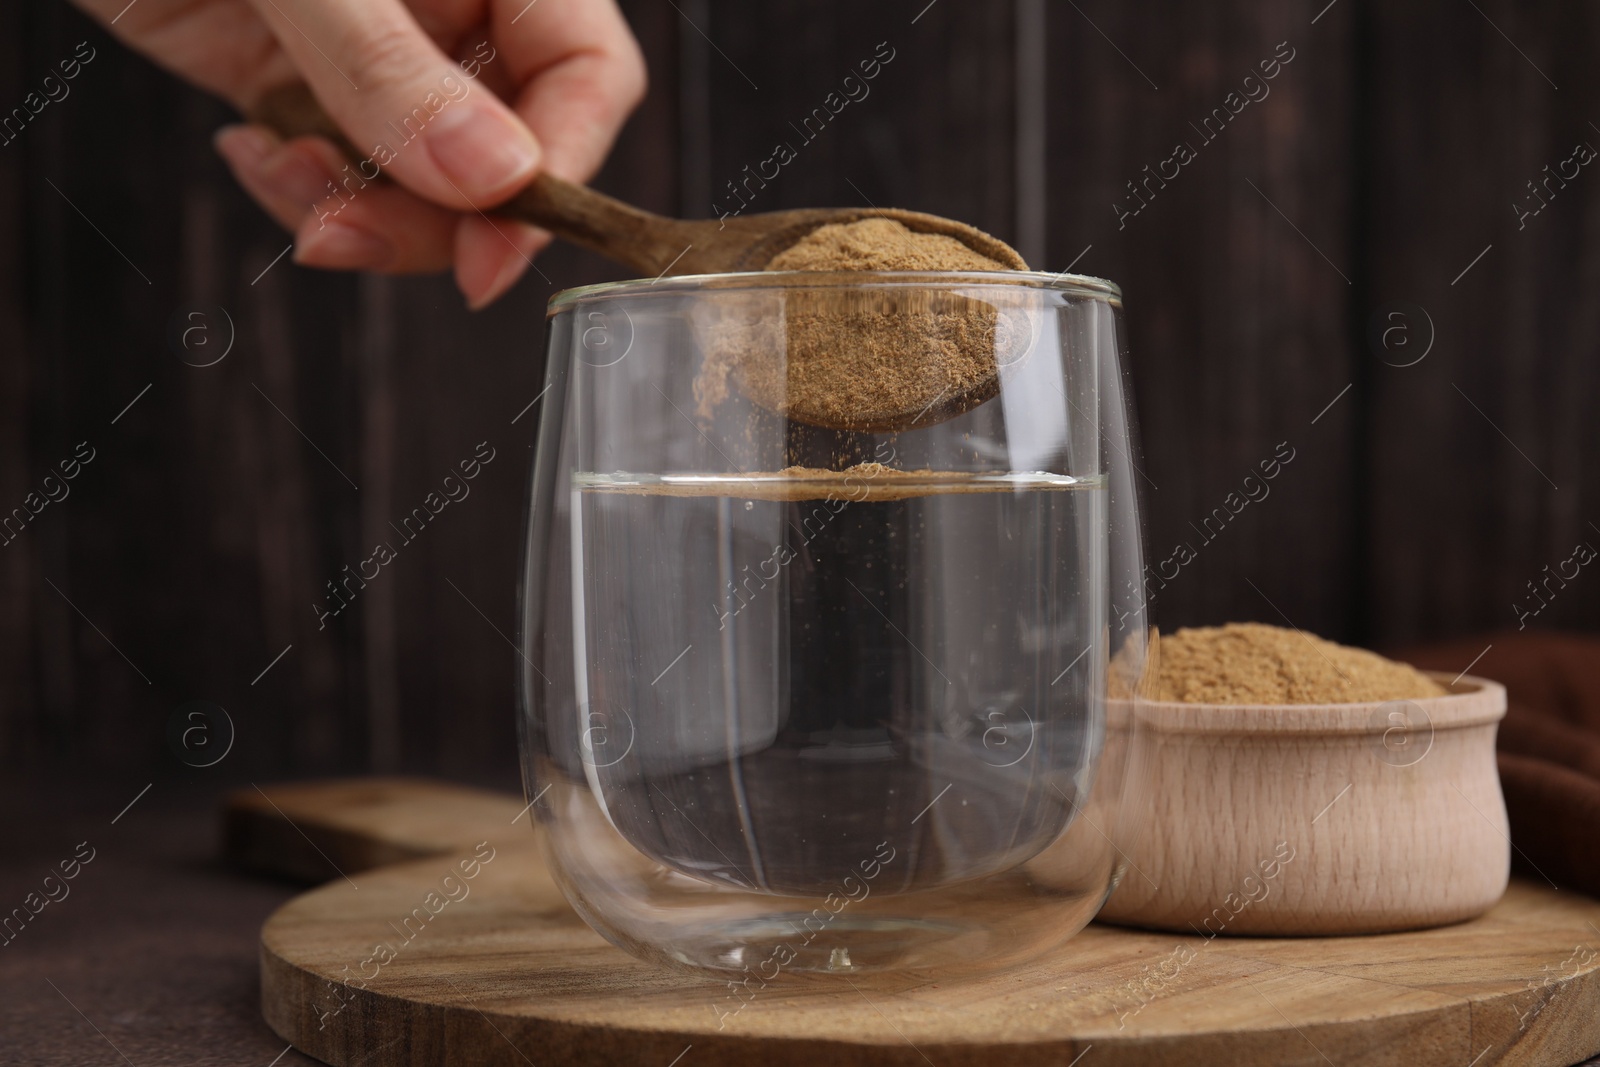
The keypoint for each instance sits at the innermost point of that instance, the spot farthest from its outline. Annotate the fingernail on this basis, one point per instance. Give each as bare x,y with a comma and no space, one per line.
295,177
340,247
483,150
243,145
510,271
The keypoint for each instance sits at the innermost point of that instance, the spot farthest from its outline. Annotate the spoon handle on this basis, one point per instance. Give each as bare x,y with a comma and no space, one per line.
618,231
604,224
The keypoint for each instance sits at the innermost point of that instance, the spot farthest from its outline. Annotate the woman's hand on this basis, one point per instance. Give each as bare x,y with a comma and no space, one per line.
494,91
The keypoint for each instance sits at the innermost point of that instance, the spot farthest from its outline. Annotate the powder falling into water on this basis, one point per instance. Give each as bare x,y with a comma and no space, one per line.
1250,663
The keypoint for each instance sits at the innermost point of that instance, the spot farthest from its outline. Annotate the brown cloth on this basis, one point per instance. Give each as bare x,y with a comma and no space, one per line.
1549,744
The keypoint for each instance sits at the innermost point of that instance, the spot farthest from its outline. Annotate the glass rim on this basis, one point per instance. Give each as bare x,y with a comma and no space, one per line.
1076,284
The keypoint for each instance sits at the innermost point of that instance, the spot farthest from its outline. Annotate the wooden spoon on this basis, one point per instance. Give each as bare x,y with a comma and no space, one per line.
658,246
652,244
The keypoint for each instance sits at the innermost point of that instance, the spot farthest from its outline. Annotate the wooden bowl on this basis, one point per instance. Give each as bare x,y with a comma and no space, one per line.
1317,819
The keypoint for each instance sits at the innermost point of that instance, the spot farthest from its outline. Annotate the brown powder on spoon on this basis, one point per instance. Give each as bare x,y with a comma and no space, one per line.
1251,663
879,244
871,359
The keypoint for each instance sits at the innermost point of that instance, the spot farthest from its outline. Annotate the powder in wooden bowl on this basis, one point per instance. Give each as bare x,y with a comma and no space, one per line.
1251,663
868,358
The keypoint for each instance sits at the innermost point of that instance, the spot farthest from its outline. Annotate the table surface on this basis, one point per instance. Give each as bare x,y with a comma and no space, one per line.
151,957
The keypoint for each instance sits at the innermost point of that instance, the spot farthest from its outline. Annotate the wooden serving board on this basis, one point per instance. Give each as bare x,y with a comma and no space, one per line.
500,971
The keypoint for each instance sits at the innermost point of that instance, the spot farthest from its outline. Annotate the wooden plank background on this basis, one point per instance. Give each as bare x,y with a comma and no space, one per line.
1385,157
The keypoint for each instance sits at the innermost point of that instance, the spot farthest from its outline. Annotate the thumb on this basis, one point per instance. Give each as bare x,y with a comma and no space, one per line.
403,103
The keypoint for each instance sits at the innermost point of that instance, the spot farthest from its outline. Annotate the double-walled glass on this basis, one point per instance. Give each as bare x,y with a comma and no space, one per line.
809,700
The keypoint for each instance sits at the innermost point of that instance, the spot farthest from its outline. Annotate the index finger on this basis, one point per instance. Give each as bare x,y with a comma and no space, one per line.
397,95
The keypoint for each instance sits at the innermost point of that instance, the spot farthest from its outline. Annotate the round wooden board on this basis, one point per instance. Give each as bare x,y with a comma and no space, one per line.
508,974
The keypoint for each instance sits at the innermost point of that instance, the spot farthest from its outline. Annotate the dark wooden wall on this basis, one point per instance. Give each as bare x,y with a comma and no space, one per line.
1385,158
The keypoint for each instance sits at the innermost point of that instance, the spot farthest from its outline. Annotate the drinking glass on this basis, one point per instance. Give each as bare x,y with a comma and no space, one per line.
801,700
